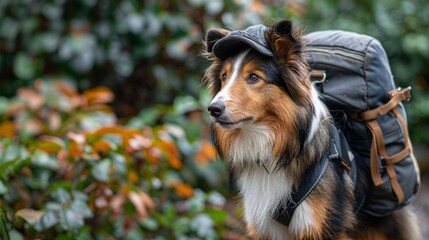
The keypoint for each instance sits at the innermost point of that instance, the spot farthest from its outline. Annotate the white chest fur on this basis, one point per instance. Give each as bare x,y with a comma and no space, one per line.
262,188
262,193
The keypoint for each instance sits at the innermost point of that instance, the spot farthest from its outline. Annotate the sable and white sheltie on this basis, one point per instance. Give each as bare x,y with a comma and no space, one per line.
270,126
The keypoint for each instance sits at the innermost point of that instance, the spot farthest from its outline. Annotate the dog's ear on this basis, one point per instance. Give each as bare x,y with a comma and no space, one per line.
214,35
287,44
284,39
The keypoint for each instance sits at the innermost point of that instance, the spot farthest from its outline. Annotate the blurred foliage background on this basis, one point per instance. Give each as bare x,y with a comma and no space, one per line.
103,126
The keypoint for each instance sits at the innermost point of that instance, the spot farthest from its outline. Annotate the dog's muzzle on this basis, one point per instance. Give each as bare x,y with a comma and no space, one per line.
216,109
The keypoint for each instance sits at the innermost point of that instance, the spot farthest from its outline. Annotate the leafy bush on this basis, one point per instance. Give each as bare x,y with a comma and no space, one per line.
153,45
70,170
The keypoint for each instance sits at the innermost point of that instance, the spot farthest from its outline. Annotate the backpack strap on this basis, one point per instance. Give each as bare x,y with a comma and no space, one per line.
396,96
338,150
284,212
378,147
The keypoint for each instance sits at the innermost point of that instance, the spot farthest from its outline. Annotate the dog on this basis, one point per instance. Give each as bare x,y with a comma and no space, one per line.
275,133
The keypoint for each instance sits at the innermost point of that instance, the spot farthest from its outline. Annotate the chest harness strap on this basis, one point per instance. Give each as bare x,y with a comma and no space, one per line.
338,150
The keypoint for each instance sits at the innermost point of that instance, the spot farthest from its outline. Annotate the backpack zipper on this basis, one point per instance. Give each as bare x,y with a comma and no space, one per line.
338,52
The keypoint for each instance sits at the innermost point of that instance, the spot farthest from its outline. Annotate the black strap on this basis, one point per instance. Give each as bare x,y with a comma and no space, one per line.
345,156
339,149
285,211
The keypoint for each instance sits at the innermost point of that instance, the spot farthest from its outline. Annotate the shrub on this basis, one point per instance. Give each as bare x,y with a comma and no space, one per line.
70,170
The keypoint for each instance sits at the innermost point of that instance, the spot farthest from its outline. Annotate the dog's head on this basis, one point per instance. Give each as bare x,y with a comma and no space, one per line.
259,77
246,78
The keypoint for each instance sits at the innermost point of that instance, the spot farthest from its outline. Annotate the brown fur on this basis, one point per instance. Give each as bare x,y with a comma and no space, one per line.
286,109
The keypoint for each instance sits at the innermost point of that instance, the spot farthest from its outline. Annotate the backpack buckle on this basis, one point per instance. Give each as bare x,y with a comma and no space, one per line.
320,75
406,93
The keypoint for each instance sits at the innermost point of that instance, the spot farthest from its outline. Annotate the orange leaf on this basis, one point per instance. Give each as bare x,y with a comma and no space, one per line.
102,146
7,129
146,200
138,204
174,161
74,150
69,91
183,189
138,142
99,95
257,7
15,108
132,176
33,126
77,143
32,98
98,107
117,203
141,201
119,130
54,121
65,88
207,152
153,155
171,153
51,145
78,138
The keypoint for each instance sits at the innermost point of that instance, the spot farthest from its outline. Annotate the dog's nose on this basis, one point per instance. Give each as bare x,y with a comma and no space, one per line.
216,109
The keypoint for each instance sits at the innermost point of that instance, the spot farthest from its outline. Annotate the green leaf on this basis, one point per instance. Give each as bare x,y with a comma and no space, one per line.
101,170
150,224
4,234
170,211
216,199
48,220
82,208
184,104
217,215
71,220
181,226
45,160
146,117
61,195
5,166
85,233
24,67
196,204
119,162
4,104
92,121
415,43
3,187
60,184
203,225
9,28
135,234
15,235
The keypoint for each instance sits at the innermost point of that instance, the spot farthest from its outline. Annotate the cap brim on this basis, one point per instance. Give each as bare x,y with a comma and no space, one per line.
232,44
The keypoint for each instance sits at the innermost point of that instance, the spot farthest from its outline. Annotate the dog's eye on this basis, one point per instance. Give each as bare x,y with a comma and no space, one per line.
223,76
253,78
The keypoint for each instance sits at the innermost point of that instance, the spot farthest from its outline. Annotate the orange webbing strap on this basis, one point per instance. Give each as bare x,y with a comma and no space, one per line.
396,96
378,148
374,165
408,143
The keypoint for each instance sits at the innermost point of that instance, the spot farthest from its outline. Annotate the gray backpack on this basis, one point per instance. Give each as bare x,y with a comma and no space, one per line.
353,75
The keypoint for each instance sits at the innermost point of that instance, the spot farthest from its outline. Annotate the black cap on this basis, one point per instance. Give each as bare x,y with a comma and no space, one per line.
238,40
